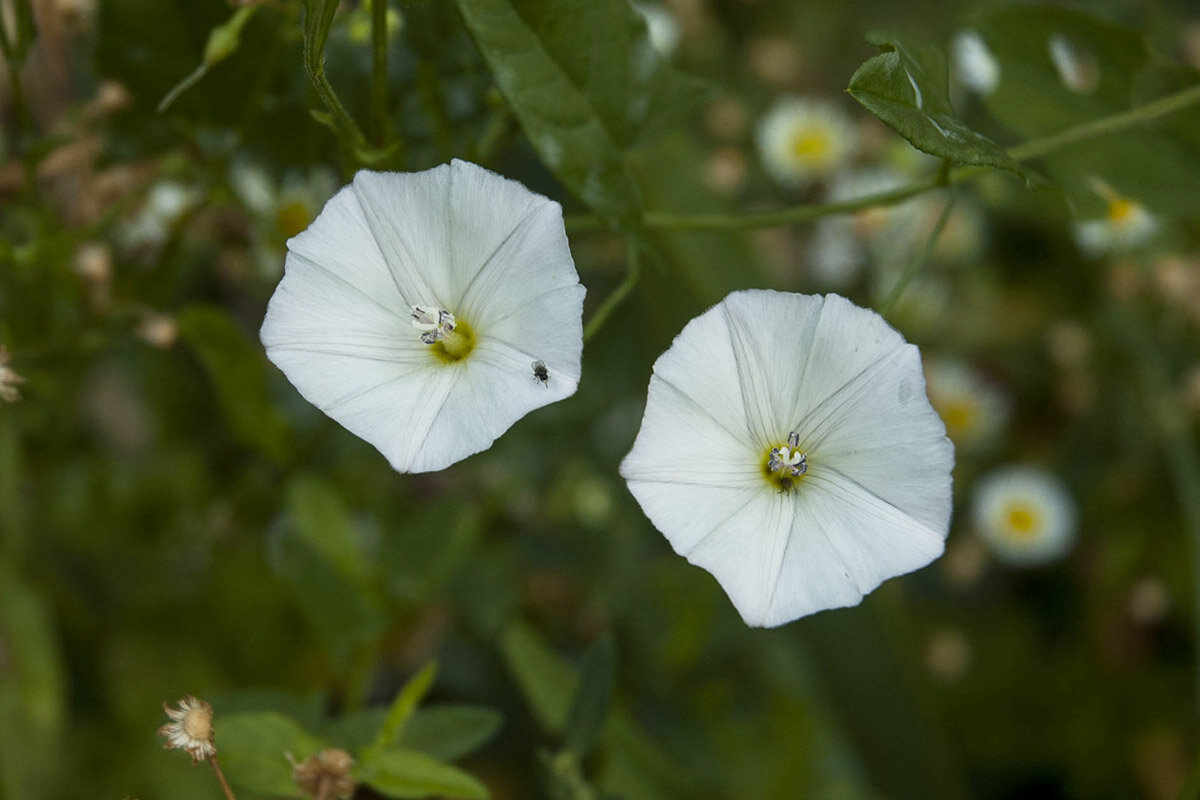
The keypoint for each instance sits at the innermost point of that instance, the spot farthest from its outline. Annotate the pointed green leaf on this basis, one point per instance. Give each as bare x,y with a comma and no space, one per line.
592,702
548,682
450,731
238,370
403,706
409,774
908,88
254,749
322,521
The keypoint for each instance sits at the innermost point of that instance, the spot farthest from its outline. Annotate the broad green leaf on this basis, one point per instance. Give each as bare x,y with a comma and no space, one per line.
585,83
403,706
318,556
323,522
545,678
908,88
409,774
450,731
237,369
1154,163
594,699
254,749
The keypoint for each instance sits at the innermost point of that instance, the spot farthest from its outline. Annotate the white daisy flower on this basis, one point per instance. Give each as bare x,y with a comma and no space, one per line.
280,209
190,729
413,308
974,65
1126,225
801,140
843,244
975,411
1025,514
166,202
788,448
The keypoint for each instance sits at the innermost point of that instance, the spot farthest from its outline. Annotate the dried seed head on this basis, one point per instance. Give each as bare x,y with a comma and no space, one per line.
327,774
190,729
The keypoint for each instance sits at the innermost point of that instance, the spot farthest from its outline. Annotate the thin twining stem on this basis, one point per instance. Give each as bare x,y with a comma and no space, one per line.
614,300
1034,148
914,266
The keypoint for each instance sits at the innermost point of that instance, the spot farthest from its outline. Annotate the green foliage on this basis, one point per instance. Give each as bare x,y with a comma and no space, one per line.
908,88
409,774
254,749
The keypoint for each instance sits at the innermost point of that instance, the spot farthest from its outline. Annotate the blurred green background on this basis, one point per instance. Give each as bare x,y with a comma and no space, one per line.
175,519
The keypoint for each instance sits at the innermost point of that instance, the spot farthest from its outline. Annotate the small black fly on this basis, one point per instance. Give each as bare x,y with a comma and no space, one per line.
540,372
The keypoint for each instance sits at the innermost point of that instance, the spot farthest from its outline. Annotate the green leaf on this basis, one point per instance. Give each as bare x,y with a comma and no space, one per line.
322,521
594,698
908,89
547,680
1155,163
409,774
403,706
450,731
319,556
238,371
585,84
254,749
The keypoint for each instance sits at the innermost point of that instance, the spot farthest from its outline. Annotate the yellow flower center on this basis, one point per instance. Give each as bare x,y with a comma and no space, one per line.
1121,210
812,145
960,417
1023,521
785,464
454,345
197,724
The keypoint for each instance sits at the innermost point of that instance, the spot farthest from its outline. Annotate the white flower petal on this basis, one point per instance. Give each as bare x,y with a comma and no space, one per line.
340,323
875,501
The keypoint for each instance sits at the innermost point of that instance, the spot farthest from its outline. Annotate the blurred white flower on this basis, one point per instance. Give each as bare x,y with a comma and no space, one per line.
801,140
974,65
788,448
279,210
975,411
661,26
413,307
1126,225
1077,69
166,202
1025,514
843,244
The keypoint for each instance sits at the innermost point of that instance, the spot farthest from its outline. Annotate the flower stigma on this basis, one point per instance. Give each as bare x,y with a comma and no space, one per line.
785,464
449,339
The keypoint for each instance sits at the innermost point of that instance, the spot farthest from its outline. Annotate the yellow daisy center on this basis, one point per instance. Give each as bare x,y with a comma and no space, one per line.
1023,520
812,145
1120,210
292,218
960,417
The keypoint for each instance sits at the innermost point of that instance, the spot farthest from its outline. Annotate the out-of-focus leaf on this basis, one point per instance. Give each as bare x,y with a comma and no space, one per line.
409,774
585,83
237,369
450,731
403,706
254,750
32,689
908,88
1102,63
319,556
322,521
592,702
547,681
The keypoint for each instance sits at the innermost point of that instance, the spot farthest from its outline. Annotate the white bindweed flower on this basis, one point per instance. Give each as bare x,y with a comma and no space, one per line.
975,411
788,448
801,140
974,65
1025,515
414,307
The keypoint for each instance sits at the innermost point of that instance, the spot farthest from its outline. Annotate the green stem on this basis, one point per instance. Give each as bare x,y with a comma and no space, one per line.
1175,436
914,266
618,295
379,78
1034,148
314,63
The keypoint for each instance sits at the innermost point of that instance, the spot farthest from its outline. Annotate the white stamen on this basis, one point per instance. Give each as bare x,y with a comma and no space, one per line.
435,323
